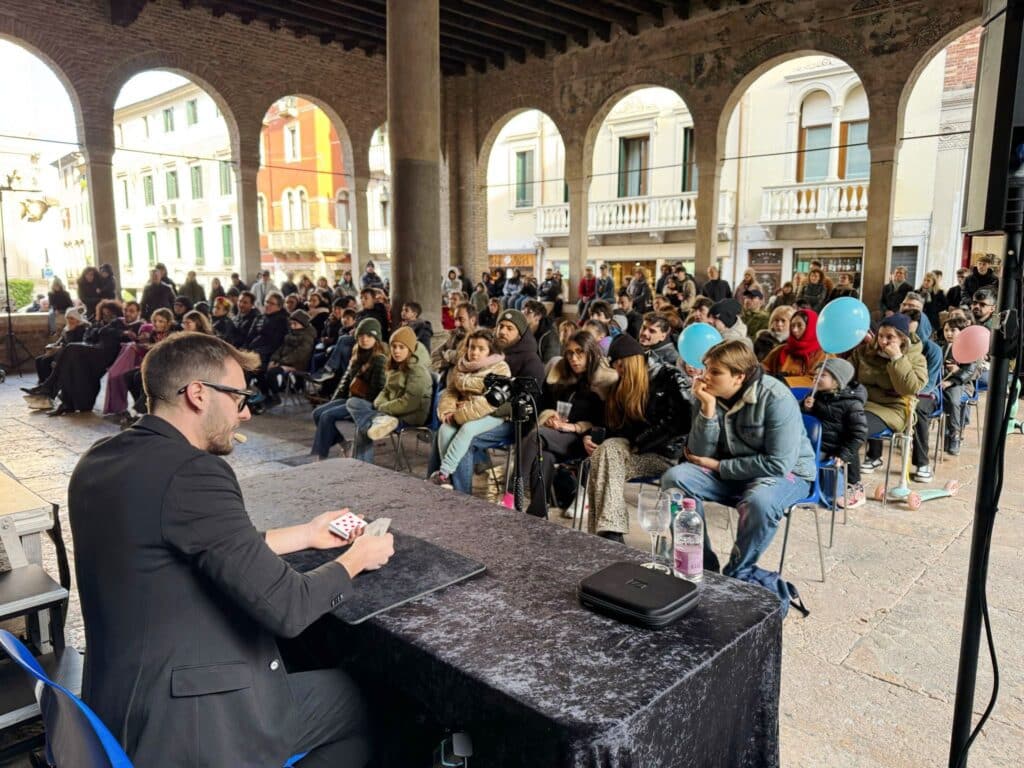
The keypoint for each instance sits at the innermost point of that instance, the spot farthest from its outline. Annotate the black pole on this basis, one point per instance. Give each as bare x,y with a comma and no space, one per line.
1005,342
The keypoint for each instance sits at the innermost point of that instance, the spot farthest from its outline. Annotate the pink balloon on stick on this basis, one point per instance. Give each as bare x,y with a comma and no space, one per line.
971,344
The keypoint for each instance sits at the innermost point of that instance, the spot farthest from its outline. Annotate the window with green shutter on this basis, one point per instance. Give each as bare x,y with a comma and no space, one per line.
200,248
168,119
225,177
197,182
172,185
633,166
147,190
524,179
128,249
191,111
124,192
177,242
689,162
227,241
151,247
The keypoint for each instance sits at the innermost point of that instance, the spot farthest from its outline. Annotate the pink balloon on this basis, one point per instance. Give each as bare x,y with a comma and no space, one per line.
971,344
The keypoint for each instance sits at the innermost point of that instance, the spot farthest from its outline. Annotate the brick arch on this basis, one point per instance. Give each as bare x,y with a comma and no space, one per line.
25,37
490,126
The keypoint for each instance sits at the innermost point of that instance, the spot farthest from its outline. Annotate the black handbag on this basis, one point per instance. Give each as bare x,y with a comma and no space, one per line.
631,593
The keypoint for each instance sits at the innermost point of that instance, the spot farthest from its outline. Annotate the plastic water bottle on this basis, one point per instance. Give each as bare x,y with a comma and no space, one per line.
688,543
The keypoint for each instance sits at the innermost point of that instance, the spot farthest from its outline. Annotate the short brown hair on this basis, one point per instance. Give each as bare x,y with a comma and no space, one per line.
184,357
735,355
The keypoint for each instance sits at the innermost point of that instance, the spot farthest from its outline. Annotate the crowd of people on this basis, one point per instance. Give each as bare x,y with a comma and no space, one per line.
612,387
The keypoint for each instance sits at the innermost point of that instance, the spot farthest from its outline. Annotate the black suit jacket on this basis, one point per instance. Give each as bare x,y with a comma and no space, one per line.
182,599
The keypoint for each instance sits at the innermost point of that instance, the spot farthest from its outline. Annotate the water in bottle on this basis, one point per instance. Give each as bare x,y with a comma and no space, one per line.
688,543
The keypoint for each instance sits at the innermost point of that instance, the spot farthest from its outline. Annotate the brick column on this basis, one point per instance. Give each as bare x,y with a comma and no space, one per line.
100,183
883,144
578,164
414,130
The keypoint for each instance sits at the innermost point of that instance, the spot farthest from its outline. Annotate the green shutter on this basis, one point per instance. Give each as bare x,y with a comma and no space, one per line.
168,119
128,249
622,168
197,182
151,247
177,242
227,244
172,185
197,238
191,112
147,190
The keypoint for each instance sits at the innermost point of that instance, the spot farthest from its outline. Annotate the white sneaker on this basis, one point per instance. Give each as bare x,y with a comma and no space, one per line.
381,427
923,475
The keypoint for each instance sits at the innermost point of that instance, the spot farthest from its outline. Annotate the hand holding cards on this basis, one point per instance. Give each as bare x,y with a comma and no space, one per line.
347,524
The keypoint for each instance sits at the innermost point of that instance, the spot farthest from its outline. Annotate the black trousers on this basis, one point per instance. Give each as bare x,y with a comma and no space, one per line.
925,407
332,717
44,366
555,446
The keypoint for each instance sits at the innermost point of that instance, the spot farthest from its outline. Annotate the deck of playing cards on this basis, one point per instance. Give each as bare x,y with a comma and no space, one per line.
347,524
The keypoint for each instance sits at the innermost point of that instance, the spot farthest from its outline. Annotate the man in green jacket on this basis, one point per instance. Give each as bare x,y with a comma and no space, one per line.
754,315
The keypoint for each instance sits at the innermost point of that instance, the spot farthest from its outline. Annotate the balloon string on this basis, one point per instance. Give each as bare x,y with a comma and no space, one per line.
817,379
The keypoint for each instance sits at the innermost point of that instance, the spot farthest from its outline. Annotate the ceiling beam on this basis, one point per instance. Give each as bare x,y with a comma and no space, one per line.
515,52
504,25
644,7
560,17
455,25
598,11
529,18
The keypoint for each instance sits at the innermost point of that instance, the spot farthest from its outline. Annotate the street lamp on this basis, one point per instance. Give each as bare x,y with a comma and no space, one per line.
31,210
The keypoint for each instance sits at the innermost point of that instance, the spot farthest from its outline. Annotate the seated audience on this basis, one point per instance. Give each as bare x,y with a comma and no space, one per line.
223,325
784,297
633,319
601,333
801,353
488,318
724,315
747,449
839,406
292,356
647,418
197,322
74,332
929,398
748,283
581,377
754,315
463,410
404,401
510,292
956,379
181,306
548,346
844,288
656,339
364,378
892,368
412,318
776,333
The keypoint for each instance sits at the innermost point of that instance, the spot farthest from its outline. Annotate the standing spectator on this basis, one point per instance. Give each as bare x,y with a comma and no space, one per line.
725,315
687,290
347,286
894,292
107,283
715,288
748,283
754,315
801,353
237,283
586,290
605,285
288,287
216,289
162,269
814,292
982,276
639,290
370,278
60,303
784,297
934,299
548,346
512,288
844,288
263,287
551,290
666,273
89,291
156,295
955,296
191,289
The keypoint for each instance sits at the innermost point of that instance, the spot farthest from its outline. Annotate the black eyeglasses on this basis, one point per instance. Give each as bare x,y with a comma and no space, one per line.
245,394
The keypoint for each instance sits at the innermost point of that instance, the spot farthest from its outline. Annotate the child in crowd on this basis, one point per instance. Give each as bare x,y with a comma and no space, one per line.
405,398
956,376
463,410
839,406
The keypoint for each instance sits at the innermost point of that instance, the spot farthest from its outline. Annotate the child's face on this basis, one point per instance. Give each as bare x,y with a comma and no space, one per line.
478,349
365,341
950,333
826,383
348,321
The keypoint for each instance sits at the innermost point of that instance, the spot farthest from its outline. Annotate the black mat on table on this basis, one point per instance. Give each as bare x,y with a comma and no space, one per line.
418,568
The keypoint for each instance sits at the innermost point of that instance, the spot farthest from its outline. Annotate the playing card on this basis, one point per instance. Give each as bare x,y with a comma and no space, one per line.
345,525
378,527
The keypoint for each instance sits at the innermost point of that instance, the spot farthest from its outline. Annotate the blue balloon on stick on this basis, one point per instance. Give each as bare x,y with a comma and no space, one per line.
695,341
842,325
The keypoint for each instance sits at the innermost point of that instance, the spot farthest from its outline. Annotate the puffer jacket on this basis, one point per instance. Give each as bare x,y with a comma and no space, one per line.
766,341
761,436
844,427
407,394
668,415
464,391
297,347
371,372
891,384
964,373
587,406
548,345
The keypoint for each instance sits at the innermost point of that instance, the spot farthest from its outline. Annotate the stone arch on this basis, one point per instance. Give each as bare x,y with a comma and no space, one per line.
15,33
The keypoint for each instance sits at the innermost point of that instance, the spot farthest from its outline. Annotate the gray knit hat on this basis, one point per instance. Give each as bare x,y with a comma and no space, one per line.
840,370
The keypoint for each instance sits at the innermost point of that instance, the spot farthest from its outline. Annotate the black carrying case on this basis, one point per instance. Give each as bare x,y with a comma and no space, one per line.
629,592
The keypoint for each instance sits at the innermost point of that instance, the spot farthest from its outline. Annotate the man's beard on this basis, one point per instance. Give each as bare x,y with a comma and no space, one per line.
219,436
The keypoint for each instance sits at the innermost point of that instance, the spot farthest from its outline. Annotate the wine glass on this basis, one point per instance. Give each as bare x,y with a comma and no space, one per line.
655,517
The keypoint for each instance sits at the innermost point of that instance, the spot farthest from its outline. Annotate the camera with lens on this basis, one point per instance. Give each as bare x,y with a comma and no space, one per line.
520,392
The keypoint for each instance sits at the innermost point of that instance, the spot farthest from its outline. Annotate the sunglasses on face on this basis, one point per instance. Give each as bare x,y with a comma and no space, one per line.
243,394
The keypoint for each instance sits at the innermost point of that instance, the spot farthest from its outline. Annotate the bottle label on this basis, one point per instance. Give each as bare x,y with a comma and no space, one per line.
689,560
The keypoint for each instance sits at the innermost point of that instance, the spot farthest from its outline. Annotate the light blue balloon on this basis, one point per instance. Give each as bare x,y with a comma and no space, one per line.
695,342
842,325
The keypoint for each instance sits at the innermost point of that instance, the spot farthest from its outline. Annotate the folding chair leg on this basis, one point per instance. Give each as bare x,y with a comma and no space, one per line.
579,503
821,552
785,539
835,503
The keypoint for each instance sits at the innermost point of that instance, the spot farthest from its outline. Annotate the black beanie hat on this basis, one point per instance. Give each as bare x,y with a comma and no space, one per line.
622,346
726,310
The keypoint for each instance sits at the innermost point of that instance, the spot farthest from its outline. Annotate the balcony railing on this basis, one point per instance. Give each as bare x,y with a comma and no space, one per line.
633,214
380,159
380,241
318,239
816,202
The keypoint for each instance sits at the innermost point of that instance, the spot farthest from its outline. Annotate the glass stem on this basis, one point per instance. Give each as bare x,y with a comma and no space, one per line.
654,547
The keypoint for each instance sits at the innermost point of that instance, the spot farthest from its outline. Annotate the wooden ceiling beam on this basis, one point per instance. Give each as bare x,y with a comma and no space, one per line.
502,24
598,12
455,25
560,17
529,18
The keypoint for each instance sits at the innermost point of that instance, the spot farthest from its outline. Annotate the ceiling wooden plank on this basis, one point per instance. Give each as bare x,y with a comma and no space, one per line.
524,16
502,24
598,11
558,16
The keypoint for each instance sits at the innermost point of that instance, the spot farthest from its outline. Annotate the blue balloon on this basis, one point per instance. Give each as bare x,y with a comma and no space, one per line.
843,324
695,341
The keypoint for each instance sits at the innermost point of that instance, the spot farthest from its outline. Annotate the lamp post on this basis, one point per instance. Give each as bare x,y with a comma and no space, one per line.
31,210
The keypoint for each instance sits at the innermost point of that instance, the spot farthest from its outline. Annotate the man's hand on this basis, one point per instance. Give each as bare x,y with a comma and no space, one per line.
703,462
320,536
368,553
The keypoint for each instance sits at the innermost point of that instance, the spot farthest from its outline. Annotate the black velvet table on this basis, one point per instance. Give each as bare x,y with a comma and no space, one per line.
513,659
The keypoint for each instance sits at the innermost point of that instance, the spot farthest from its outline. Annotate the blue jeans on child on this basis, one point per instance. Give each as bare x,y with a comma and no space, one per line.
363,413
760,503
326,417
341,354
453,441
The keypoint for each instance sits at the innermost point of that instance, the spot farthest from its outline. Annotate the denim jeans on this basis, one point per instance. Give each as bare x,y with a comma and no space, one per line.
462,477
453,441
341,354
760,504
325,417
362,413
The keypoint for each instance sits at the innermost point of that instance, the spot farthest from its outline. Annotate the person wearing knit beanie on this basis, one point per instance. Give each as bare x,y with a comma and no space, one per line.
369,326
840,370
900,322
622,346
300,316
406,336
517,318
727,311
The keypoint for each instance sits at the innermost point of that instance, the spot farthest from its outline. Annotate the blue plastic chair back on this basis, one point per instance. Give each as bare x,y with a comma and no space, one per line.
435,422
74,734
813,429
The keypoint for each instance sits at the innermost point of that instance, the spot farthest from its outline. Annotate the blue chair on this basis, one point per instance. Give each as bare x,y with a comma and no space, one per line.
938,417
75,735
815,499
973,401
905,438
429,428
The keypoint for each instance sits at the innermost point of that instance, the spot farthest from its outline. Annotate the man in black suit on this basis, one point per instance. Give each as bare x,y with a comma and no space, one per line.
182,597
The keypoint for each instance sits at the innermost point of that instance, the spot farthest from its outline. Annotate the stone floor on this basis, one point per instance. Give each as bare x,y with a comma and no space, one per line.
868,677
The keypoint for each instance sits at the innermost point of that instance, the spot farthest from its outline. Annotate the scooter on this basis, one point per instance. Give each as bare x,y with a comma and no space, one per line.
903,492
